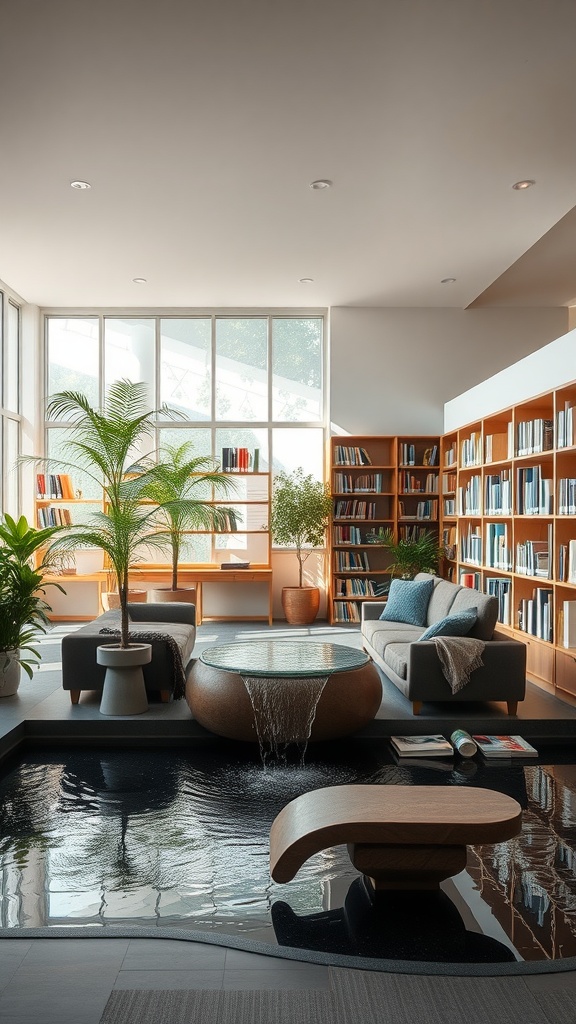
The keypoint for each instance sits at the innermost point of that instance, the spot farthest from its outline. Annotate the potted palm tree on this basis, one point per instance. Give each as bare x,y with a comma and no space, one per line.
410,557
175,485
104,444
301,508
22,605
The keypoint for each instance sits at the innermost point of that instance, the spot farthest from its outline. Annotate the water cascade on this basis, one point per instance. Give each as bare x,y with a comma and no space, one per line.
284,711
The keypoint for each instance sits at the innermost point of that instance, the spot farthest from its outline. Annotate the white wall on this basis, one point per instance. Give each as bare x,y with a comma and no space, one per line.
392,370
548,368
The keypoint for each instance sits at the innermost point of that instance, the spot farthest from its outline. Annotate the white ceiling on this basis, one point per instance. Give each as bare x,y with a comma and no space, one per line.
201,124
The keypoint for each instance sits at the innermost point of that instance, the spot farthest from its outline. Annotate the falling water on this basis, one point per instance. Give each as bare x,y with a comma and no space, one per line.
284,711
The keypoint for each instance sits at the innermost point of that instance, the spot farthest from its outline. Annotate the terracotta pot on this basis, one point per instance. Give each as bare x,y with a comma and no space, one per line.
9,673
300,604
185,595
111,599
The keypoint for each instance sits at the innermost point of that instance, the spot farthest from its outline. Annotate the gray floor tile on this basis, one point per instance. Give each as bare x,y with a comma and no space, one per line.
304,976
53,994
76,952
565,980
168,954
169,979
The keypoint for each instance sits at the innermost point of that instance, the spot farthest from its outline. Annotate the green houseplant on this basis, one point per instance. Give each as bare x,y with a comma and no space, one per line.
175,484
22,605
410,557
301,508
107,445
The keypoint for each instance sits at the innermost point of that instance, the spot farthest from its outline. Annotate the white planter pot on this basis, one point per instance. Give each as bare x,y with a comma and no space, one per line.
124,692
9,673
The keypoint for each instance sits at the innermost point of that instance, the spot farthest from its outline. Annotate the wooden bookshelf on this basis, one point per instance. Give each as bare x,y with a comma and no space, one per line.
378,483
525,524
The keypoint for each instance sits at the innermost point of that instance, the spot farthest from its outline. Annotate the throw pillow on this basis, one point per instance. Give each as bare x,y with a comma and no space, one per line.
408,601
459,624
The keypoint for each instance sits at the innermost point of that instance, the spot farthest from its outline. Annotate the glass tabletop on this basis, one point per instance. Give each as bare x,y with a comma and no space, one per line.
284,658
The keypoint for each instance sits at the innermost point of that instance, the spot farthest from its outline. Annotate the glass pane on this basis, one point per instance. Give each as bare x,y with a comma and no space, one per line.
57,449
196,549
185,366
253,438
11,469
297,369
250,517
11,359
129,353
201,439
241,369
73,356
250,547
299,447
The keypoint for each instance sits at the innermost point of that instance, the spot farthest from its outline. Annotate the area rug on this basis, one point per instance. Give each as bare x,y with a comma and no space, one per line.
354,996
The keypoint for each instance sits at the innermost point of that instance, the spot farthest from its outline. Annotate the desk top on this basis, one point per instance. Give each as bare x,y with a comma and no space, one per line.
284,658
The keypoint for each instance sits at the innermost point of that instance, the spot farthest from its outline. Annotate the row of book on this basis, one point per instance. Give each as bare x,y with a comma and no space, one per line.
54,486
567,562
409,455
347,561
410,484
47,515
427,509
462,742
535,614
412,532
567,496
240,460
468,498
501,589
348,455
345,483
534,495
355,587
346,611
471,450
449,481
498,493
566,426
534,436
355,509
346,535
533,557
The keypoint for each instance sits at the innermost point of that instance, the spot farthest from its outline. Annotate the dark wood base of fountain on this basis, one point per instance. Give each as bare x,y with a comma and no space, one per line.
220,702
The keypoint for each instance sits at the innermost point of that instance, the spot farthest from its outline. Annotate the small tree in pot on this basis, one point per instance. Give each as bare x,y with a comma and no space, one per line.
301,508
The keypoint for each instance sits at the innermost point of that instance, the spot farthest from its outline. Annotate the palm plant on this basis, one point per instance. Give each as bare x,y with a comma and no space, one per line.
103,444
410,557
22,586
174,485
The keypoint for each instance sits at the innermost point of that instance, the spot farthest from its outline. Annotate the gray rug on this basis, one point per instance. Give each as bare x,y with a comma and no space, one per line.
356,996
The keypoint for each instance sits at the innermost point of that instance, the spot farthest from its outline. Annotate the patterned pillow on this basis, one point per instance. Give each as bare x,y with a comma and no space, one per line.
408,601
459,624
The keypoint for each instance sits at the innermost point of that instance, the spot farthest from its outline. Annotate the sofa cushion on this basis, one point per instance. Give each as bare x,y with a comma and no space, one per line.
408,601
486,611
396,657
441,599
458,624
389,633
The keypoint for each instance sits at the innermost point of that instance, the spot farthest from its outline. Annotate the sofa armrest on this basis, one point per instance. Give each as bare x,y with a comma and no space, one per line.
372,609
503,671
163,611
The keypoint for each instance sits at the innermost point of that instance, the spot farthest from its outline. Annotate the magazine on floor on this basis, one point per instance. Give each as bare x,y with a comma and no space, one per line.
422,746
505,746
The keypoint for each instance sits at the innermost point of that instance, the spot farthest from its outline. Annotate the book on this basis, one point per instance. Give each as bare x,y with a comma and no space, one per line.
234,565
569,623
422,746
504,746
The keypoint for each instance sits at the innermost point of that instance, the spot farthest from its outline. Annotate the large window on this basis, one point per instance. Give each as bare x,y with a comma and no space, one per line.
10,342
252,381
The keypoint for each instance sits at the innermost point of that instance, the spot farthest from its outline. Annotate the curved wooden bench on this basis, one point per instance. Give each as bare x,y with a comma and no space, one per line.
398,836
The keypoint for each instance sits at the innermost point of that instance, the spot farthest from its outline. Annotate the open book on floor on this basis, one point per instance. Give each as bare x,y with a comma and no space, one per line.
422,746
505,746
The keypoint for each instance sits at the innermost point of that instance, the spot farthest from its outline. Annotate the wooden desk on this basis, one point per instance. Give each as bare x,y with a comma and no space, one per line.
200,576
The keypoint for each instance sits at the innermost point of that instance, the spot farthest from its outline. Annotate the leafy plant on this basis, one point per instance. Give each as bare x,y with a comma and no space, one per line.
410,557
107,445
174,484
301,508
22,586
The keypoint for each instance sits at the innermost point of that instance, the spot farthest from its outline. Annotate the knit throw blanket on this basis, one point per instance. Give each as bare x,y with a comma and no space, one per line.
459,656
177,666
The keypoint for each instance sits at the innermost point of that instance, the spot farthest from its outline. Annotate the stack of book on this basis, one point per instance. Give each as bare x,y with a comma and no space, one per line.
504,746
422,746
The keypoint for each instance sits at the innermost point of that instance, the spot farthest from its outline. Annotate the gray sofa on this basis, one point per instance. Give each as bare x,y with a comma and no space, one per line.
414,666
80,670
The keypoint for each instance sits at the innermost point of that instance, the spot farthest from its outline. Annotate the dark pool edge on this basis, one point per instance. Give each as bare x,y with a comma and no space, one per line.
433,969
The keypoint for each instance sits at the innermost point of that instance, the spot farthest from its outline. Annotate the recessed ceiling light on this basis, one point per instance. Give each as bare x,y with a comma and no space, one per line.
448,280
306,280
139,280
80,184
526,183
321,183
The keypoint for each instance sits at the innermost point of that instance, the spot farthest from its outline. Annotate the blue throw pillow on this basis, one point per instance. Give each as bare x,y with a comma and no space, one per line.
408,601
459,624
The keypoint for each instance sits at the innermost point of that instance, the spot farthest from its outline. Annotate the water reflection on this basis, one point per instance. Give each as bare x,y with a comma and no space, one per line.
180,837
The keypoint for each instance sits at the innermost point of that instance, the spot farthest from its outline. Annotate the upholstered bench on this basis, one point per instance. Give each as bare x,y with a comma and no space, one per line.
400,837
80,670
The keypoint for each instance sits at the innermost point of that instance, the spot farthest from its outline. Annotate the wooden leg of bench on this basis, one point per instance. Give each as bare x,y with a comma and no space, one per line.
512,707
165,696
75,696
416,707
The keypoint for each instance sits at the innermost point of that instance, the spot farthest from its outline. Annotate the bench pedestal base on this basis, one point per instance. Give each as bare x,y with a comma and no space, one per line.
407,867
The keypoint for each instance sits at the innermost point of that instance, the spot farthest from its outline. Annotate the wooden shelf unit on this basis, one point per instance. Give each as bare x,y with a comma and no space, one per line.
358,565
523,461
